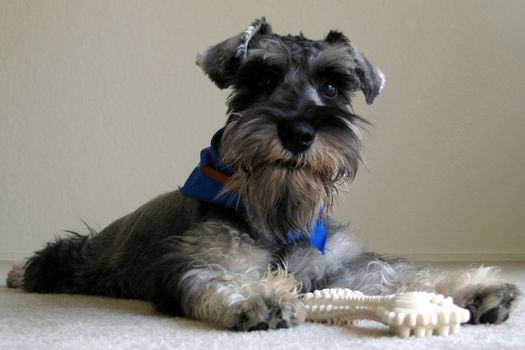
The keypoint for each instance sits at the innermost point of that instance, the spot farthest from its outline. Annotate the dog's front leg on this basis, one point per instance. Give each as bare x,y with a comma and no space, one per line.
239,302
216,273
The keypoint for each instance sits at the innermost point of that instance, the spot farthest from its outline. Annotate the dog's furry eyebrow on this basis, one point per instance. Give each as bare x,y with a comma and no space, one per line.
267,60
270,59
337,59
274,62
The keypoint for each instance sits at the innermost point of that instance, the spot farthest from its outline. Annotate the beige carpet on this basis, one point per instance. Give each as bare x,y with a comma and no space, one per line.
33,321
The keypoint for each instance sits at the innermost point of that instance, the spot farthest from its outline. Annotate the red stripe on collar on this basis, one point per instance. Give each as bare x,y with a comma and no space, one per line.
215,175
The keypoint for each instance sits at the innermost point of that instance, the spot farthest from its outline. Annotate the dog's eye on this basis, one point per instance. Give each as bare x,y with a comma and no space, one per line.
329,90
266,84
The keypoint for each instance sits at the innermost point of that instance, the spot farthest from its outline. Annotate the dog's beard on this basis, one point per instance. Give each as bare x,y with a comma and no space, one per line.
282,199
283,192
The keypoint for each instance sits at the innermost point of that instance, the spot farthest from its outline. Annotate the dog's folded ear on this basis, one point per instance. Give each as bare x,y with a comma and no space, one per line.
371,79
220,62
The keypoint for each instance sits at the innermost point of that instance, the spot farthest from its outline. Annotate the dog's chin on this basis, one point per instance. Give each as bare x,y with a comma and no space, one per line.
281,197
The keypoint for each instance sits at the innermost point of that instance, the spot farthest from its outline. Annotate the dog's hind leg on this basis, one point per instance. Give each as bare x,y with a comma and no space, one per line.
53,269
57,268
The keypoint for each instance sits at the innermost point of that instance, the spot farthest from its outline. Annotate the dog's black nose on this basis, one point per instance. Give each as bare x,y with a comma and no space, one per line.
296,136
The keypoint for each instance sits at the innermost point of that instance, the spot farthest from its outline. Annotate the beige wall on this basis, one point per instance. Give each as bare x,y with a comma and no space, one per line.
102,108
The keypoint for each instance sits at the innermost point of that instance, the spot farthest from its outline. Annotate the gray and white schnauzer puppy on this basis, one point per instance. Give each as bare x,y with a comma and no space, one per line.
251,229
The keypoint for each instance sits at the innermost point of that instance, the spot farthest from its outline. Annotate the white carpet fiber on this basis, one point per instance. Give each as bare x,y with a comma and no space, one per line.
38,321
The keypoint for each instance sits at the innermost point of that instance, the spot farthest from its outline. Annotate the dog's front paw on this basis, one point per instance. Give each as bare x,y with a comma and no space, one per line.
490,303
239,302
269,303
263,313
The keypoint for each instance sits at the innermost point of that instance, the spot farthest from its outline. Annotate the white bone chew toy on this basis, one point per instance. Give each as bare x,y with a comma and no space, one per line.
420,313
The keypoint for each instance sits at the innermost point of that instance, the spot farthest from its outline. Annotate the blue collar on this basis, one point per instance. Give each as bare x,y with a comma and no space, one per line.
207,181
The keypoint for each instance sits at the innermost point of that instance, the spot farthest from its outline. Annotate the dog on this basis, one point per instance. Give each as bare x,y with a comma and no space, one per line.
251,229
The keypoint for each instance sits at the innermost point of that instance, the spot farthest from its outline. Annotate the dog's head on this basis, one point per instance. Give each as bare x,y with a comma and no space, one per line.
290,137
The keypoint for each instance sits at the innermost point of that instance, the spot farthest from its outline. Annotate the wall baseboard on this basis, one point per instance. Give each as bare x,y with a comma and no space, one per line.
465,257
14,255
19,255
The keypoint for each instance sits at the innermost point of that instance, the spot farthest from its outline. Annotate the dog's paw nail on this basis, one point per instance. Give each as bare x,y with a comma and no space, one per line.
281,324
490,316
261,326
